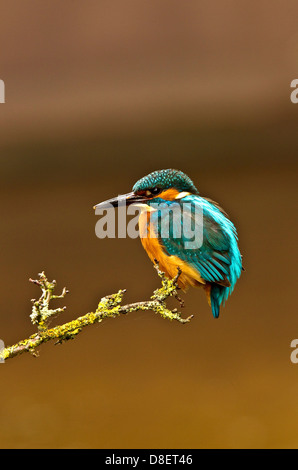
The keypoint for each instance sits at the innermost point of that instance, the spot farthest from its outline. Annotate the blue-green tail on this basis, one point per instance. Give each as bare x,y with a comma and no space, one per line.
217,296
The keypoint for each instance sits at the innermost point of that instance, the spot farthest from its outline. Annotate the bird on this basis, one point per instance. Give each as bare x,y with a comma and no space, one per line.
213,262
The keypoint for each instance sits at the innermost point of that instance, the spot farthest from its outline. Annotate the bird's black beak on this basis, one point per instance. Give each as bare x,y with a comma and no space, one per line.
122,200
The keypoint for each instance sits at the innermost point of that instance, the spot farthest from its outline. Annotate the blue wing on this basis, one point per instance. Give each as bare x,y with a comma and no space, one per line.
214,252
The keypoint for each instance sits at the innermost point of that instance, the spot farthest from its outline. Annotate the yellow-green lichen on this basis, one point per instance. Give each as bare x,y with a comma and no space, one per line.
108,307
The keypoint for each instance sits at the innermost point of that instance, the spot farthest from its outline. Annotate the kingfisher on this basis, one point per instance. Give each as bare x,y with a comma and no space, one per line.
206,253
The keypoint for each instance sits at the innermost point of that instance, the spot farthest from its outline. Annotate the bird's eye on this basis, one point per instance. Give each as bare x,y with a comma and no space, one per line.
153,191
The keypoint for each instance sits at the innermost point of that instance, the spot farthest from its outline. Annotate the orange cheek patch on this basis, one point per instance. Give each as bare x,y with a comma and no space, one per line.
169,194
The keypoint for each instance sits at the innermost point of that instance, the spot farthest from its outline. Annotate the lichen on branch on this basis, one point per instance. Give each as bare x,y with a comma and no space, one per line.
108,307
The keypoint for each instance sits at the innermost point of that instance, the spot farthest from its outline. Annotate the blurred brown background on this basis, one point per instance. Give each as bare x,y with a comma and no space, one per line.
98,94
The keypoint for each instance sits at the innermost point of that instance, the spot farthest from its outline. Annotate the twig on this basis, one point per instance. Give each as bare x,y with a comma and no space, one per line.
108,307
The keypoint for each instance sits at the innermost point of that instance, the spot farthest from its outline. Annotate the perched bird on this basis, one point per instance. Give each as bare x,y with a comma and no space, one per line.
213,261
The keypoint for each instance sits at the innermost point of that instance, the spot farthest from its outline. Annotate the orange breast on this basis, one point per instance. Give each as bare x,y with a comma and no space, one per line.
168,264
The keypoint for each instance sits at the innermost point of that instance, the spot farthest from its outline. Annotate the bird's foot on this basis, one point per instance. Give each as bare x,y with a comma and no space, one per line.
181,301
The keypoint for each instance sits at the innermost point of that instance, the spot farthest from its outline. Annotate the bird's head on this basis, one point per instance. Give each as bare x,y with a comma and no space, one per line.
162,184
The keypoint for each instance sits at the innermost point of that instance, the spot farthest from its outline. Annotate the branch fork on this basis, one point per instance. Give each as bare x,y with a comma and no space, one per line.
109,306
